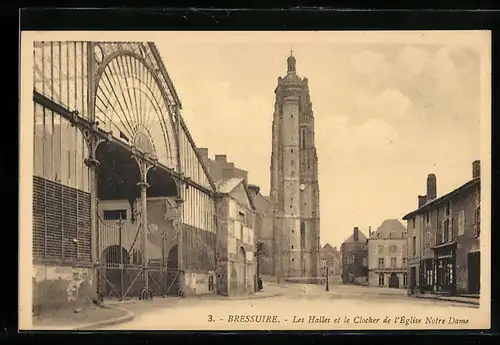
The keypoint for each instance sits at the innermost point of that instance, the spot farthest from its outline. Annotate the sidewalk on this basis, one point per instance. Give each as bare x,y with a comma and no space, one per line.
83,317
474,301
269,290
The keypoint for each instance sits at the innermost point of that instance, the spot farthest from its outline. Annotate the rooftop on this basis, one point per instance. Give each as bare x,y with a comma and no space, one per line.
444,198
361,238
388,227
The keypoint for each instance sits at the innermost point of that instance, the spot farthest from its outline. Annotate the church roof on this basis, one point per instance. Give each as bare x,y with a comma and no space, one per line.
389,226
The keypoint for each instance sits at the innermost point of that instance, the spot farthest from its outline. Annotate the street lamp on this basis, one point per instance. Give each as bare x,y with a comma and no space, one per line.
327,284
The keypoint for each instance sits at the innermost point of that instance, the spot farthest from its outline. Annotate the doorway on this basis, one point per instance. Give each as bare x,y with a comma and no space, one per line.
394,281
413,277
474,272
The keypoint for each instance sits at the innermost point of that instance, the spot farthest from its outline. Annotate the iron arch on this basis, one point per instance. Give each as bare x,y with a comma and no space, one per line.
131,103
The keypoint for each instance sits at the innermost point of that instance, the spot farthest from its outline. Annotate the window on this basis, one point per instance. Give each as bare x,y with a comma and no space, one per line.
445,232
429,239
381,280
448,208
461,223
291,162
405,279
291,116
210,282
292,246
393,248
428,277
414,245
293,259
302,234
413,221
404,261
115,214
241,218
451,230
427,217
477,221
393,263
380,263
380,249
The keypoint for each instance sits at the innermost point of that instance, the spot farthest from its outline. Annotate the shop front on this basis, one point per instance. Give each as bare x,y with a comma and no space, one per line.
445,269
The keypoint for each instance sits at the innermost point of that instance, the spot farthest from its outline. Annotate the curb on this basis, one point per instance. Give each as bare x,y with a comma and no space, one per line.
129,316
471,303
238,298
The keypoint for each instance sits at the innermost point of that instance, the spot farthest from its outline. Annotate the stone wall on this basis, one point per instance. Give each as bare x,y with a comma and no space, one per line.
55,286
467,242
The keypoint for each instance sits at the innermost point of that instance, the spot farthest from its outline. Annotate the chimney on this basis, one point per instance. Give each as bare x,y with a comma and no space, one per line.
422,199
369,231
203,152
476,169
221,158
254,189
431,187
356,234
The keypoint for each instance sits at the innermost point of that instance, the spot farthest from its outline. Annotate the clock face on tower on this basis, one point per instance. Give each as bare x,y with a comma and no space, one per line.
302,186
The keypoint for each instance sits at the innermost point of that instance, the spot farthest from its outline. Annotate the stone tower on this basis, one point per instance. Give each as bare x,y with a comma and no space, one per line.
294,179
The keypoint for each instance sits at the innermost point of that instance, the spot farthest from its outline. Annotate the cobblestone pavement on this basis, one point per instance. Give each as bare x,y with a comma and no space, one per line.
362,306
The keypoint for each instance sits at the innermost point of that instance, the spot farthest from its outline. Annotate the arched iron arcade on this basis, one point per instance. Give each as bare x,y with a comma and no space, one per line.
148,192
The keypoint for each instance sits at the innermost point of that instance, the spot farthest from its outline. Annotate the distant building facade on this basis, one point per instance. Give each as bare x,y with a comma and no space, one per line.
387,257
264,233
330,258
237,274
443,240
220,169
354,253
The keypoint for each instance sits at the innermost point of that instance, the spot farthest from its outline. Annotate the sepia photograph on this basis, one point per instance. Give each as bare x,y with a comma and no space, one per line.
253,180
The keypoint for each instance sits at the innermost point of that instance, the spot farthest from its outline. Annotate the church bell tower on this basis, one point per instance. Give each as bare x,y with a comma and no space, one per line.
294,179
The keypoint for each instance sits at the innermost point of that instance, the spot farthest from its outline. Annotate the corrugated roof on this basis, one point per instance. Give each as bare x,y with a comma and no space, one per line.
443,198
389,226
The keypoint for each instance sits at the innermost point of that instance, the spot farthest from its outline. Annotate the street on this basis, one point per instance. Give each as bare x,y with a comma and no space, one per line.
365,307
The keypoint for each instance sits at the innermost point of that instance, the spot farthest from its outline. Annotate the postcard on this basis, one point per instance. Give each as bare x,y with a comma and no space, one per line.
253,180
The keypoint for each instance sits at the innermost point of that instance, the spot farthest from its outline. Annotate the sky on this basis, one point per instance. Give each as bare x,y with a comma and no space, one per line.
387,113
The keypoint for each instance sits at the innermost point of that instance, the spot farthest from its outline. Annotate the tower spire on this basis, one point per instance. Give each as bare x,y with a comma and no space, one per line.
291,63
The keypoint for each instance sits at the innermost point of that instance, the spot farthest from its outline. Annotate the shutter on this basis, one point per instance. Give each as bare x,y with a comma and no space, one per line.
53,215
61,215
38,217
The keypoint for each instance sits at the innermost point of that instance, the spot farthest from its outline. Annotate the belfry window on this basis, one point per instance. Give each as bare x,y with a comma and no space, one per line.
302,234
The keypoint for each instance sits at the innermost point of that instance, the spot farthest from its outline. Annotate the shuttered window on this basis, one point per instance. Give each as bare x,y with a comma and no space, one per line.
61,222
